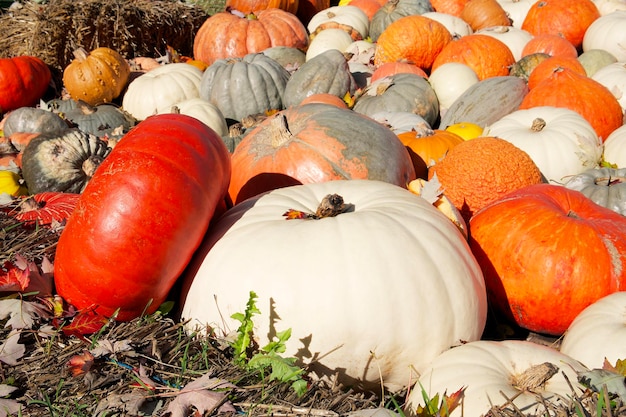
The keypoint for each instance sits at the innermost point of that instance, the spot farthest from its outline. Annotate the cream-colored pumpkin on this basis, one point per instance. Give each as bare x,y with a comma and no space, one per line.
609,6
615,148
517,10
593,60
350,16
455,25
560,141
372,294
514,38
613,77
158,90
204,111
493,370
608,33
449,81
598,332
328,39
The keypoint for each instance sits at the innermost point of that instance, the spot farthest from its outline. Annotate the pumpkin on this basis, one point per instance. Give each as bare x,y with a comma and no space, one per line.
479,171
545,68
509,373
327,72
466,130
389,69
568,89
138,222
327,39
365,346
161,88
63,163
289,57
547,252
561,17
615,148
33,120
613,77
515,38
256,77
486,55
348,18
96,77
370,7
486,101
414,38
204,111
604,186
609,6
516,10
316,143
481,14
527,64
595,59
229,35
553,45
251,6
103,120
402,121
426,150
455,25
450,81
325,98
560,141
45,208
394,10
404,92
598,333
10,184
23,81
607,33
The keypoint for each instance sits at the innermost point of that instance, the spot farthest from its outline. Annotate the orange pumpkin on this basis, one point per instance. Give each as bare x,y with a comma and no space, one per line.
427,150
325,98
389,69
592,100
229,35
481,14
451,7
553,45
546,67
413,38
486,55
566,18
251,6
370,7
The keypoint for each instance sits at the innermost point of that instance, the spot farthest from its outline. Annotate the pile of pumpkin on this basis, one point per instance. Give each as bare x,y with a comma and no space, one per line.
365,168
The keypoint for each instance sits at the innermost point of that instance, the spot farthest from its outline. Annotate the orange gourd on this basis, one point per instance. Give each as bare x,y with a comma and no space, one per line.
427,150
486,55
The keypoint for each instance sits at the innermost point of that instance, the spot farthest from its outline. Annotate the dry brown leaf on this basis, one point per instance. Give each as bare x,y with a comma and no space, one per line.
198,394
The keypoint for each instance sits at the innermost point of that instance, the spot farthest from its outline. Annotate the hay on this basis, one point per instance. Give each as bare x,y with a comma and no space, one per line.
134,28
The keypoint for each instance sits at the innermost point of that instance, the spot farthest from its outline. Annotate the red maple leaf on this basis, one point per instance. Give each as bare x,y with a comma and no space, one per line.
13,278
81,363
292,214
84,323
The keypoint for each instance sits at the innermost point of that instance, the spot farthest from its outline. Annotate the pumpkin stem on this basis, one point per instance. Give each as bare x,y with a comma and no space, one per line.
538,125
330,206
534,377
609,181
391,5
85,107
80,54
280,131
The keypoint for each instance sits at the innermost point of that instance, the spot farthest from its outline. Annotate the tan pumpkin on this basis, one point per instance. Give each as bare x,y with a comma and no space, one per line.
96,77
481,14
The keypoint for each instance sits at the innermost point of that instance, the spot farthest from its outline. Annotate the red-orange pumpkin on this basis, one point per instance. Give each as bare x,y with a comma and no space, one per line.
548,252
566,88
389,69
545,68
141,217
251,6
316,143
230,35
23,81
553,45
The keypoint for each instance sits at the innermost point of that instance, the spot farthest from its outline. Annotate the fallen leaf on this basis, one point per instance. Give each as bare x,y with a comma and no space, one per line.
15,279
105,347
22,314
9,407
596,379
84,323
80,364
292,214
10,349
199,395
128,404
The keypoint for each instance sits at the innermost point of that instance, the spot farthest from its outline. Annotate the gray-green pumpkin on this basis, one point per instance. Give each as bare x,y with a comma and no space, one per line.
240,87
33,120
604,186
101,120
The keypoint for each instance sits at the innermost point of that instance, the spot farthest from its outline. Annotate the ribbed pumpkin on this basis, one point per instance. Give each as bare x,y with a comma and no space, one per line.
394,10
23,81
389,69
427,150
514,38
452,7
33,120
551,44
604,186
524,66
316,143
404,92
251,6
241,87
416,39
101,120
546,67
486,55
481,14
566,18
228,35
566,88
96,77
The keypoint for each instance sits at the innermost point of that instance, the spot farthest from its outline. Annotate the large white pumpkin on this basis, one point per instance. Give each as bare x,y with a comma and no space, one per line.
491,370
607,32
560,141
374,293
615,147
613,77
598,332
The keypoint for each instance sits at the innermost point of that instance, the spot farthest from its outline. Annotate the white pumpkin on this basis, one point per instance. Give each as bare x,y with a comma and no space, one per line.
515,38
370,295
615,148
517,10
159,89
455,25
560,141
347,15
593,60
608,33
491,370
449,81
204,111
613,77
609,6
328,39
598,332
